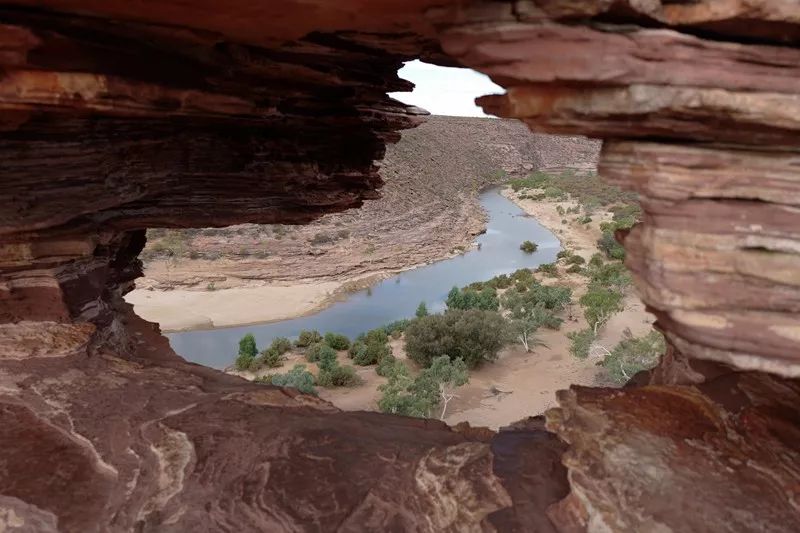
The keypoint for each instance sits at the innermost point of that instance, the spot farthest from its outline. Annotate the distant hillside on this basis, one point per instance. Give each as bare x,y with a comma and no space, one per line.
428,209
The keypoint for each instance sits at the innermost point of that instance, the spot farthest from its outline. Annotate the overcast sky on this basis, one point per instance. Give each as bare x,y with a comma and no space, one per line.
445,91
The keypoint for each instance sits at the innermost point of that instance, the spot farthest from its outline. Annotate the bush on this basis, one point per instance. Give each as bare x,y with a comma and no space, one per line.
390,366
377,335
528,247
307,338
581,342
575,260
337,341
554,192
422,310
338,376
549,269
371,353
298,378
419,397
473,335
575,269
318,352
396,328
585,220
634,354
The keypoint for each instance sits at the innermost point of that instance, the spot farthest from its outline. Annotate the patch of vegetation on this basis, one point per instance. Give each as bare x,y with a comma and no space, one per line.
549,269
332,374
634,354
307,338
473,335
599,304
589,190
537,306
317,351
337,341
421,396
422,310
298,378
528,247
272,356
580,343
247,352
485,299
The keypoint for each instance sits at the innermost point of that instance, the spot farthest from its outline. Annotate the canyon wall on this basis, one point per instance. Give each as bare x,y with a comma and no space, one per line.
428,209
116,117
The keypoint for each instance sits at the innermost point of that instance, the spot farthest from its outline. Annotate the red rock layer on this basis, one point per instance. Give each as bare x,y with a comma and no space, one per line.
119,116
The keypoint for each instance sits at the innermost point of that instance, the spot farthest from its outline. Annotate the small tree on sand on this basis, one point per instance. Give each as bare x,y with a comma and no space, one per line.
443,376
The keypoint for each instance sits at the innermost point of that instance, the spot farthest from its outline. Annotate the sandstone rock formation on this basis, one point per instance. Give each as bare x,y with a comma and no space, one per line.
115,117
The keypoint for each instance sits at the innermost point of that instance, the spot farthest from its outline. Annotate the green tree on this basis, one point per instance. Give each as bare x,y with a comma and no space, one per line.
632,355
485,298
528,247
420,396
422,310
473,335
524,329
599,304
298,378
443,376
247,352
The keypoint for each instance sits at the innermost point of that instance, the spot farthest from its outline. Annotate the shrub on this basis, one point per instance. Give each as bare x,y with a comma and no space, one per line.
307,338
575,269
596,261
337,341
378,335
317,352
397,327
473,335
581,341
390,366
585,220
609,245
420,397
549,269
281,345
371,353
422,310
560,210
298,378
338,376
575,260
633,355
247,352
528,247
563,254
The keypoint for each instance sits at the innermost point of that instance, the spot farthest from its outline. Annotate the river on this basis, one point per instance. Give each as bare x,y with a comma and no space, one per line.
396,297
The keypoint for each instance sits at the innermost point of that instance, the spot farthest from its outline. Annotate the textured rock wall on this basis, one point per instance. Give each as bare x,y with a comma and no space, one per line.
119,116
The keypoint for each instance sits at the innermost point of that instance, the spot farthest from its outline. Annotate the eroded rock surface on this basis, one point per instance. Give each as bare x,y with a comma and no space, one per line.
115,117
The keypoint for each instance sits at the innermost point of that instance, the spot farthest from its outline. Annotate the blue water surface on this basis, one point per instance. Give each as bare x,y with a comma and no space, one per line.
396,297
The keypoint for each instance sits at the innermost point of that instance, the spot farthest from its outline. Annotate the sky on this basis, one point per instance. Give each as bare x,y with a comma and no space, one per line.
445,90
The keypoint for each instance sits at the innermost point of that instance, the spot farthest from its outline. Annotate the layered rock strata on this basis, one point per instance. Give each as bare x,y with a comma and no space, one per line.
115,117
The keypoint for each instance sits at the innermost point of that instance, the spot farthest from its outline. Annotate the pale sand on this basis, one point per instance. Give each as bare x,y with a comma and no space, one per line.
181,309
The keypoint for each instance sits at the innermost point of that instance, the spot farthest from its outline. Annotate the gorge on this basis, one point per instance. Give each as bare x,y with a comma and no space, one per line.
117,117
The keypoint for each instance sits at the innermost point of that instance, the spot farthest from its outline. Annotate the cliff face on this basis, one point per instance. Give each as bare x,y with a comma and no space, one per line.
116,117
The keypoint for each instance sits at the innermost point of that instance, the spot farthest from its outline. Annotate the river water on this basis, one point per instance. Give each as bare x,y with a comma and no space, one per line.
396,297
